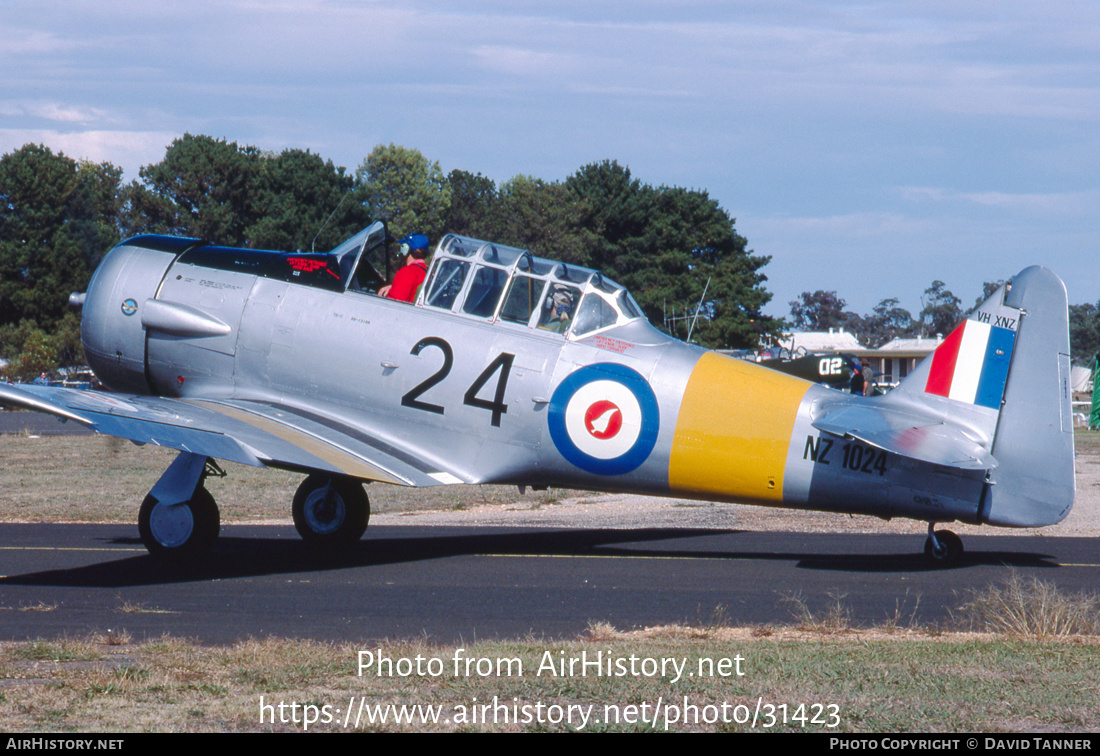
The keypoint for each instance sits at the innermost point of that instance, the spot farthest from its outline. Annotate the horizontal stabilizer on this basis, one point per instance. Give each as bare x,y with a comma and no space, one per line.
909,434
945,412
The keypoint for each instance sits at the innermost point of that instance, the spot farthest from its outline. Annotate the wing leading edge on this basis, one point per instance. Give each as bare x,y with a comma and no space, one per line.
248,432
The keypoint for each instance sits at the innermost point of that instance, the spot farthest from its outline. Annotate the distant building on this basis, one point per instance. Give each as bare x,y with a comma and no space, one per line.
891,362
833,341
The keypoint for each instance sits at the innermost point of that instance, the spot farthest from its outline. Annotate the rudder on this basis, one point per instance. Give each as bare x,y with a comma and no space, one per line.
1033,484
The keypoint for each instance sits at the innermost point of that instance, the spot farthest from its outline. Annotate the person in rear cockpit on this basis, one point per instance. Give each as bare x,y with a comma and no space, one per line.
560,303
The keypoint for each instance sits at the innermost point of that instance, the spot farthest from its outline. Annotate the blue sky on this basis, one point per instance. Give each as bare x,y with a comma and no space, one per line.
868,148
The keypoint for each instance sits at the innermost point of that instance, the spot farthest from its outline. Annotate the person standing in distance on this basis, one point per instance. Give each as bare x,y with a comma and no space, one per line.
863,379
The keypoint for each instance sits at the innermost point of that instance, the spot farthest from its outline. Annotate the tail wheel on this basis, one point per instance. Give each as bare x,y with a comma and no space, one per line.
331,511
943,547
179,530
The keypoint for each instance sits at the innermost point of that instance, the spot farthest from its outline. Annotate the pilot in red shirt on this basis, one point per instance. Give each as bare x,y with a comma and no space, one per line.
406,282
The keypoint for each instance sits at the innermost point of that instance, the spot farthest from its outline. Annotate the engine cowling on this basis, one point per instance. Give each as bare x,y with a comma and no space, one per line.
111,322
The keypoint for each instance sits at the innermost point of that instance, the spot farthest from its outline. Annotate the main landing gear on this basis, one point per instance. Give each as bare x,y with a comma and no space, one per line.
943,547
331,511
179,518
179,530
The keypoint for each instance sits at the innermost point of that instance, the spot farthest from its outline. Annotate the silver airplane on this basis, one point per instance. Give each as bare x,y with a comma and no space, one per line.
510,368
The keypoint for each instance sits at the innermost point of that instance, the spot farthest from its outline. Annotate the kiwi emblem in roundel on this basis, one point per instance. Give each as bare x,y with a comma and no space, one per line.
604,419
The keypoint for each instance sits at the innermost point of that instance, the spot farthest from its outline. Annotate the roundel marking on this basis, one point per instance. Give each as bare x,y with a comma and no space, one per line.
604,419
129,307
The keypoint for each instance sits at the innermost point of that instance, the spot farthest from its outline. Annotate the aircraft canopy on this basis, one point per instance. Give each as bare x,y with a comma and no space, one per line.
504,284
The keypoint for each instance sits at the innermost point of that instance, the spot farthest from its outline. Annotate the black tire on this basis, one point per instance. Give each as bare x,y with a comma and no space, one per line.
951,548
182,530
331,511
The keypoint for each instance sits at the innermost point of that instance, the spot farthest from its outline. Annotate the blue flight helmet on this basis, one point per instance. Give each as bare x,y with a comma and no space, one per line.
412,243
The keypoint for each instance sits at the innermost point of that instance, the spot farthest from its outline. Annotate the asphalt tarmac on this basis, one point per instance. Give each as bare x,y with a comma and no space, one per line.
451,584
39,424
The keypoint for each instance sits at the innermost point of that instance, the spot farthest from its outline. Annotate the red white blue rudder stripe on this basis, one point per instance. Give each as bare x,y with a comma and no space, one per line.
972,364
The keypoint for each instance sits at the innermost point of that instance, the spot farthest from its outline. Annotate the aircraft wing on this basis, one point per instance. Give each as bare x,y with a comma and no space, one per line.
248,432
909,434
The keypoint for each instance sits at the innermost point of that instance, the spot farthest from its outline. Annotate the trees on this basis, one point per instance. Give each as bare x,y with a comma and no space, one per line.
942,310
690,246
473,203
819,311
32,350
886,322
823,310
540,216
1084,331
401,187
303,202
677,249
35,356
669,245
57,218
204,188
235,195
617,211
94,207
988,287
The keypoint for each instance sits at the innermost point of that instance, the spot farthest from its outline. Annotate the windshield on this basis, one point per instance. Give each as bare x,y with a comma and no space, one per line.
362,259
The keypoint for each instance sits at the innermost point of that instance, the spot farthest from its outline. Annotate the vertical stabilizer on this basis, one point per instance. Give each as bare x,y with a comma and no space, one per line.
1033,483
1003,378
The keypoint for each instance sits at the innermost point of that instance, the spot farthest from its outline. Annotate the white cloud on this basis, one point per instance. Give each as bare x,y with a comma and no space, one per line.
524,62
18,41
130,150
1058,203
863,225
57,112
1039,204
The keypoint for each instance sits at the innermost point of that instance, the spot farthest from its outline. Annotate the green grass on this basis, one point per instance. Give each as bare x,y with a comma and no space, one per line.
102,479
860,682
1008,664
1086,441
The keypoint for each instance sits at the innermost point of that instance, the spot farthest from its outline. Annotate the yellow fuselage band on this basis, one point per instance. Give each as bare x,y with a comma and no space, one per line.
733,430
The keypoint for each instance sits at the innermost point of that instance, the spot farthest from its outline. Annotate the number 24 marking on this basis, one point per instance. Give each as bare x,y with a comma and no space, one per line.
502,365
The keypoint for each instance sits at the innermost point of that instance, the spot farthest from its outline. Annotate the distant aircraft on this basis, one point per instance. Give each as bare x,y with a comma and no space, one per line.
832,369
510,368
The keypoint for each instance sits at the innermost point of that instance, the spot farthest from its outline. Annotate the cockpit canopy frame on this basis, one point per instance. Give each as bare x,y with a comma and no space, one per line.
468,277
501,284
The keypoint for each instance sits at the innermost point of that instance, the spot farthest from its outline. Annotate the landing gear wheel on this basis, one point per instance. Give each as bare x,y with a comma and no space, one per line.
942,547
181,530
331,511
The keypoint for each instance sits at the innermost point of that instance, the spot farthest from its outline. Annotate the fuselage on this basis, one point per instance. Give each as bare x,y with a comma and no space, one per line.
485,395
